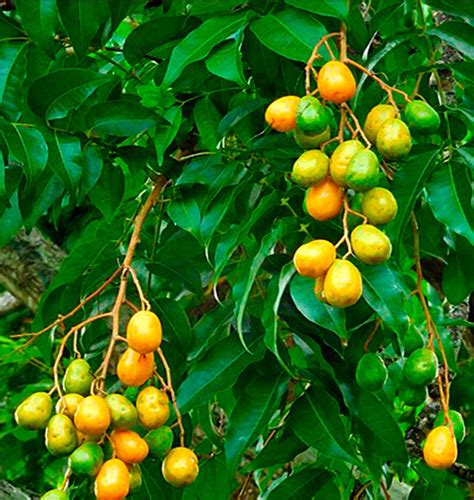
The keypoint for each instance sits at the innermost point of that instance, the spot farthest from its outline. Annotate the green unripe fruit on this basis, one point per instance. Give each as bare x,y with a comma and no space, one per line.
135,477
421,367
78,377
379,206
413,340
421,117
311,141
310,168
458,424
34,412
87,459
55,495
370,245
122,412
371,372
363,171
311,116
60,437
413,396
160,441
394,140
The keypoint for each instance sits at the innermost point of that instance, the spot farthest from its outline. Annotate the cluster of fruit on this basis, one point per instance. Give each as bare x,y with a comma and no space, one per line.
103,436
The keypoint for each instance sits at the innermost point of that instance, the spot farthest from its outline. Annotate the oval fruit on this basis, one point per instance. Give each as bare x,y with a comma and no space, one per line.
180,467
376,117
459,427
112,481
379,206
394,139
135,477
86,460
421,367
340,159
281,114
60,435
92,416
123,413
370,245
440,450
371,372
324,200
311,141
413,396
134,369
68,404
313,259
311,116
55,495
343,284
34,412
153,408
78,377
144,333
421,117
129,446
363,171
336,83
160,441
310,168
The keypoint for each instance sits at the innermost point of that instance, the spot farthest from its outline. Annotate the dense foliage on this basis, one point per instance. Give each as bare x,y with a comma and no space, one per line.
99,98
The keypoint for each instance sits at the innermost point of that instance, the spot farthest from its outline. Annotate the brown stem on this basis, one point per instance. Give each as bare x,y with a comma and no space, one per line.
345,224
372,334
357,125
313,57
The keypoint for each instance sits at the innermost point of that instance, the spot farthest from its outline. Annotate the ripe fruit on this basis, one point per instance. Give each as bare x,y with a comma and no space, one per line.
340,158
421,367
281,114
336,82
129,446
394,139
153,408
144,332
311,116
134,368
78,377
371,372
92,416
413,396
343,284
376,117
458,424
319,288
324,200
363,171
86,460
310,168
55,495
180,467
112,481
34,412
68,404
135,477
60,435
379,206
421,117
123,414
440,450
311,141
370,245
160,441
314,258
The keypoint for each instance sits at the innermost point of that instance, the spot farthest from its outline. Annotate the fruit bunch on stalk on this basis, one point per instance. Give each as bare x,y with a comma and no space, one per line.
347,182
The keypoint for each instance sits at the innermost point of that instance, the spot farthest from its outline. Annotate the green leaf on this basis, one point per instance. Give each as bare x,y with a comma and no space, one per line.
10,221
236,115
207,120
332,8
175,322
165,134
12,76
435,492
120,118
449,194
64,159
251,415
82,21
212,481
226,62
304,483
39,18
108,192
217,371
315,419
457,34
290,33
9,28
324,315
185,213
199,43
458,274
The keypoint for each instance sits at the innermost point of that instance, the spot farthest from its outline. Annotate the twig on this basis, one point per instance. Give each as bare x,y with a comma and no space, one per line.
345,237
371,335
357,125
144,302
314,56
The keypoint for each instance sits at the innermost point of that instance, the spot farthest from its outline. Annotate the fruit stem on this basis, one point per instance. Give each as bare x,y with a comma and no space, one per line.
371,335
67,476
358,128
145,305
314,55
345,237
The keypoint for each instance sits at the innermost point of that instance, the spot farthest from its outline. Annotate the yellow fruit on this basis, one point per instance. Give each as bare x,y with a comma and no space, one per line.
314,258
319,288
370,245
379,206
324,200
78,377
440,450
394,139
180,467
134,369
281,114
336,82
340,159
376,117
34,412
310,168
343,284
144,332
92,416
112,481
60,435
153,408
68,404
311,141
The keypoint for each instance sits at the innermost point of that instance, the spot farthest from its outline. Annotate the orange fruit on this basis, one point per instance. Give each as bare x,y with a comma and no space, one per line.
112,481
180,467
92,416
281,114
336,83
343,284
324,200
68,404
153,408
129,446
134,369
440,450
144,332
314,258
319,288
